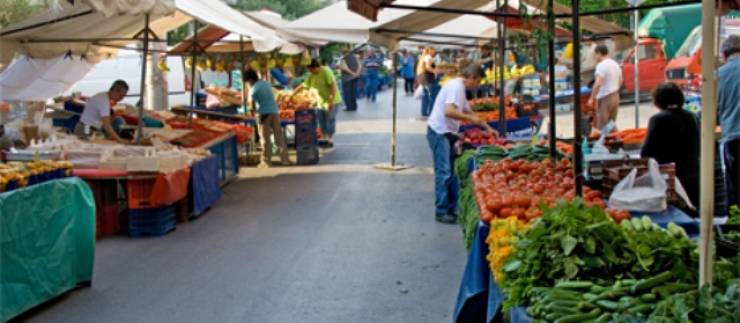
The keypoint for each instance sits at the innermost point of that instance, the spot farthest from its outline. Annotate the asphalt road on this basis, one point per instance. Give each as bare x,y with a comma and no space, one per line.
336,242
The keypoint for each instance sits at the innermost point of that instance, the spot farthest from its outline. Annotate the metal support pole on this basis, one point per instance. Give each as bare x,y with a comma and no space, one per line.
193,54
395,109
551,83
501,23
707,146
241,72
577,116
636,15
142,88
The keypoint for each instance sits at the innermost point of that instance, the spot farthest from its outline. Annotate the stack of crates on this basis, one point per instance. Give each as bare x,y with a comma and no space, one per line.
144,217
306,141
107,220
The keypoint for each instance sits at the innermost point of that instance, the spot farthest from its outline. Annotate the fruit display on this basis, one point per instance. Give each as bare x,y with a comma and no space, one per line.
519,187
21,174
627,137
477,137
296,100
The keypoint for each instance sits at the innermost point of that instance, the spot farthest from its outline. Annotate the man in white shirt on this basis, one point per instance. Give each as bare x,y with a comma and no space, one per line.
97,113
450,107
605,93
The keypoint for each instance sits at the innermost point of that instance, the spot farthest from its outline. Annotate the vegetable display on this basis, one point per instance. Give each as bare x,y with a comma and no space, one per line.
627,137
477,137
501,237
573,241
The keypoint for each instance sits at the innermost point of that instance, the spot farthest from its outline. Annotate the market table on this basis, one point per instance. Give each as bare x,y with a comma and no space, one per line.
479,298
47,243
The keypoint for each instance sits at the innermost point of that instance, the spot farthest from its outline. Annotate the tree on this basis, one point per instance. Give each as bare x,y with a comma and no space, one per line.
12,11
289,9
622,19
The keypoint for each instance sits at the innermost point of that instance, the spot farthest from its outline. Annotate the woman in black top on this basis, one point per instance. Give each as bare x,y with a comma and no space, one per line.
673,137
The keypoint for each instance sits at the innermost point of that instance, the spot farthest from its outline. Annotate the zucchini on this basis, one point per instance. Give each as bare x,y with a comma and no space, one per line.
647,284
578,318
574,285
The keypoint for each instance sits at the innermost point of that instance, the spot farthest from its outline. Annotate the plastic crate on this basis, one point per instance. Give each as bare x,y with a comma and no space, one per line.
182,209
151,222
139,194
307,155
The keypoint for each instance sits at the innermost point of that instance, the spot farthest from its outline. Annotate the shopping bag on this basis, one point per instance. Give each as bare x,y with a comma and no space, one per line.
646,193
419,92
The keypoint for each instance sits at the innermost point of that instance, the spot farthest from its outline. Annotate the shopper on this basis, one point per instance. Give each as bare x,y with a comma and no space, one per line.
97,116
426,73
351,70
450,107
321,78
728,110
371,66
268,120
408,62
673,137
605,93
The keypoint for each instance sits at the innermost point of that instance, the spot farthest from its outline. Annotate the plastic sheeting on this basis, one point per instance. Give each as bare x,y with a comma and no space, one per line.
204,182
171,187
138,7
29,79
47,243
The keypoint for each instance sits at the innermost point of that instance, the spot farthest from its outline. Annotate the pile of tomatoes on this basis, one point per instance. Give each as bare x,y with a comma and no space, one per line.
477,137
518,188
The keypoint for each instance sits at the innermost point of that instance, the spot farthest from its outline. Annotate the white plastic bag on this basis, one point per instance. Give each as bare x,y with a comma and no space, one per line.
646,193
419,92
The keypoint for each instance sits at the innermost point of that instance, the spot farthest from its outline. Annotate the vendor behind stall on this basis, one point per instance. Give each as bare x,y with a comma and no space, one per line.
450,107
673,137
97,115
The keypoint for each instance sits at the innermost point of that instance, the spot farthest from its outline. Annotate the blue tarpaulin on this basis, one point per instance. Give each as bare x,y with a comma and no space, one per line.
205,179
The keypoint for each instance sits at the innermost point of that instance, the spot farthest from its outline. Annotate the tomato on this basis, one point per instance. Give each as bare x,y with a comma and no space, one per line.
505,212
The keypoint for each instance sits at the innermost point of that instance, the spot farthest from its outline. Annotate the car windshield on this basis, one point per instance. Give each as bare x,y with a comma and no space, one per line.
691,44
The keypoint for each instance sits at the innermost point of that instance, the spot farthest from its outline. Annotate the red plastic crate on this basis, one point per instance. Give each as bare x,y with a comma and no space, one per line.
140,194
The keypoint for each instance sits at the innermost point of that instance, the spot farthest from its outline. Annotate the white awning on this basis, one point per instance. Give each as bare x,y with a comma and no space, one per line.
83,30
40,79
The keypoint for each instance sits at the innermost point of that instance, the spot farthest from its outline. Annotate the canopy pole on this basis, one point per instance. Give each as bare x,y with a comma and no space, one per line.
394,132
577,117
501,26
193,55
243,68
636,15
142,85
707,146
551,83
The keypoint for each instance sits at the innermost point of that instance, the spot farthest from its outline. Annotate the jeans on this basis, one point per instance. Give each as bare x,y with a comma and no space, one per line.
408,86
445,182
732,166
349,93
372,82
427,99
327,121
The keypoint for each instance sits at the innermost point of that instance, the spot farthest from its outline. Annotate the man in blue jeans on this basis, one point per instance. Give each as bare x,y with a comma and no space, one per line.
450,107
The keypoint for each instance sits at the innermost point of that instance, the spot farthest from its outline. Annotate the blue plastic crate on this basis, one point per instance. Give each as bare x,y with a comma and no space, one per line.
151,222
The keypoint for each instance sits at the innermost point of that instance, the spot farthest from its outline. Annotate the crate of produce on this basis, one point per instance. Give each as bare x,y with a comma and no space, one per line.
616,170
151,222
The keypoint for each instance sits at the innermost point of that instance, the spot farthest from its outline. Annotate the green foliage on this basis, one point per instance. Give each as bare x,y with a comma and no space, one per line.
621,19
12,11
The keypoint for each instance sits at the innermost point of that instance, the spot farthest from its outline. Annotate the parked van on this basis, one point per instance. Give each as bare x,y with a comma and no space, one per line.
127,66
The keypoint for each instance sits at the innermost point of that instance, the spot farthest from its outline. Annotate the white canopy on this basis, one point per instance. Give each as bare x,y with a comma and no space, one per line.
336,23
83,28
40,79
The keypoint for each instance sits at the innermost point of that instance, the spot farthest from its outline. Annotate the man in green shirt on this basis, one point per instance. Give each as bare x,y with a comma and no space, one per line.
321,79
260,94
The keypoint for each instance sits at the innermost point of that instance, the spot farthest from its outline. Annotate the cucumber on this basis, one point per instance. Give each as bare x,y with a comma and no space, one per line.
649,297
564,310
578,318
574,285
615,293
670,289
603,318
637,224
629,282
647,284
642,308
596,289
608,305
556,304
590,297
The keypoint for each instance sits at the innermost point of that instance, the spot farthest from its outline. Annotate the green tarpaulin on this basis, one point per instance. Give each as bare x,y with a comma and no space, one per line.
47,243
